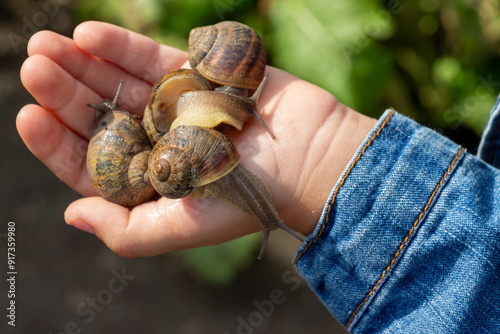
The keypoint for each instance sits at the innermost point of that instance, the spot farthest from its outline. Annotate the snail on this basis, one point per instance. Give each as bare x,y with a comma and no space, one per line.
230,54
117,155
212,108
188,157
202,161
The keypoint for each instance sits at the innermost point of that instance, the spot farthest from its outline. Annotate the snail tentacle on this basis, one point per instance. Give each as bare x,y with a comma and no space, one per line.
254,98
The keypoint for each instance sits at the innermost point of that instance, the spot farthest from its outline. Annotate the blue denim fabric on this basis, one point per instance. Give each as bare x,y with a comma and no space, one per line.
409,240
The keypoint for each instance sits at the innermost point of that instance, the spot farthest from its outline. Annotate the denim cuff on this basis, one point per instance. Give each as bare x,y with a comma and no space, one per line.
489,147
374,214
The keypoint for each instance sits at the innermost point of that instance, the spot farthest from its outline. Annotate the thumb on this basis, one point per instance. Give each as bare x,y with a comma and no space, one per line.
160,226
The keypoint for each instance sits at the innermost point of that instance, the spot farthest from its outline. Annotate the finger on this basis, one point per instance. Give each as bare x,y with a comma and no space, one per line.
161,226
56,90
135,53
59,148
99,75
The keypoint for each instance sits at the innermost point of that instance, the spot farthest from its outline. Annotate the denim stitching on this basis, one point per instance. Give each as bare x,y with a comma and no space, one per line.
342,183
410,232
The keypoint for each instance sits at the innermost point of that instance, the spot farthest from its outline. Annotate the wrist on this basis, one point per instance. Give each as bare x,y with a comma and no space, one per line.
336,141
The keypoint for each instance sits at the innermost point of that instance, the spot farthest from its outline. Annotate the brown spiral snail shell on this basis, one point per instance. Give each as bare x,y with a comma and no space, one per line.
228,53
189,157
117,156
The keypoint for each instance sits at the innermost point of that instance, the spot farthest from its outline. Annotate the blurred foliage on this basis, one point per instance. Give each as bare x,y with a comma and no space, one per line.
434,60
167,21
220,264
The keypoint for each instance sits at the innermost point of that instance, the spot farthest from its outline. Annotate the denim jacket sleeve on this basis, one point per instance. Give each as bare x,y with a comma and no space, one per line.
409,239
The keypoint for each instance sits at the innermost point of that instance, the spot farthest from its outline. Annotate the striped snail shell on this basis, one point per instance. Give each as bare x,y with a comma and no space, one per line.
228,53
117,156
188,157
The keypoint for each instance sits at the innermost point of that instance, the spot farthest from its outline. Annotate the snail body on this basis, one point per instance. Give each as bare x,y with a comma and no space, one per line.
228,53
117,156
248,192
213,108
